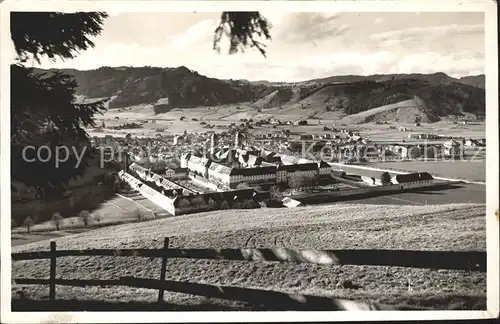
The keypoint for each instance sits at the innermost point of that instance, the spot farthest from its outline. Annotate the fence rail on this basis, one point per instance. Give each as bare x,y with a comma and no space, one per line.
457,260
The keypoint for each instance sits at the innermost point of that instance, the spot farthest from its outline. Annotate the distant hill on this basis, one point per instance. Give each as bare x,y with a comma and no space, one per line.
439,95
474,80
434,78
145,85
434,100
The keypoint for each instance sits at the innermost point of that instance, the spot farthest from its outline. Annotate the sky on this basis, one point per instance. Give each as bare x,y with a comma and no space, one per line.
304,45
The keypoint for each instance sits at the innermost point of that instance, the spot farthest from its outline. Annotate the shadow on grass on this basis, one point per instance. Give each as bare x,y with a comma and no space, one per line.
443,302
429,193
437,190
411,303
23,305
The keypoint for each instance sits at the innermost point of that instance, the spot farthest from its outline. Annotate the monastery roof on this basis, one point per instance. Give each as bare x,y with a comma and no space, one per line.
323,164
288,159
254,160
195,159
178,170
267,154
265,164
451,143
412,177
205,161
228,153
302,161
298,167
167,184
219,168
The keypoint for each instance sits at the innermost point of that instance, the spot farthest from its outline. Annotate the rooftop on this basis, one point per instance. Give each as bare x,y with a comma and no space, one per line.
298,167
253,171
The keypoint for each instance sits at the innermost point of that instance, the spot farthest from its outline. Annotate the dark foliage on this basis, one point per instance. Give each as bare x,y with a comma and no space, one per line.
242,28
53,34
385,178
49,107
28,223
57,220
43,111
43,114
85,217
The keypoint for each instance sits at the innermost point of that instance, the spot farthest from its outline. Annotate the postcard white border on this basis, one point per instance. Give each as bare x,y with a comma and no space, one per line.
491,71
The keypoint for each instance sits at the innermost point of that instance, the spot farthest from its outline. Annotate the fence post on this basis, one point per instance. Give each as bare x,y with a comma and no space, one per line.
52,286
163,269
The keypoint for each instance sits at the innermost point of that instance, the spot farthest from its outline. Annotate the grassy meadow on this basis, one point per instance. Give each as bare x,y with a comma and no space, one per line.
457,227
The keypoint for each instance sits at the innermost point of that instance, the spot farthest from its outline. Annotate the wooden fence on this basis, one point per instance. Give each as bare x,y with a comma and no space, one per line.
457,260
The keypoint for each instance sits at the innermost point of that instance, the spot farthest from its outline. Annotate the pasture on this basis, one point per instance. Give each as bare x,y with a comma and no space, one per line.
473,170
227,114
457,227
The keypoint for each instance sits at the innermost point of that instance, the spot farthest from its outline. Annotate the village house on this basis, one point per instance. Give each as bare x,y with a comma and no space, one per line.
177,173
286,172
409,151
417,136
219,174
430,151
453,149
257,175
411,178
198,165
324,169
168,187
473,143
178,140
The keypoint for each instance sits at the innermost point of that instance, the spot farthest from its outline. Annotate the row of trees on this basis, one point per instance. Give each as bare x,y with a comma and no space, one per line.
85,217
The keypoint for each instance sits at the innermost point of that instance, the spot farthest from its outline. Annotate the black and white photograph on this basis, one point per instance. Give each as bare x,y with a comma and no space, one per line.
198,156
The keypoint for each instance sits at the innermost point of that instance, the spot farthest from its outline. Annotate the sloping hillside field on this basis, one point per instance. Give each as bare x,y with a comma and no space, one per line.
401,111
458,227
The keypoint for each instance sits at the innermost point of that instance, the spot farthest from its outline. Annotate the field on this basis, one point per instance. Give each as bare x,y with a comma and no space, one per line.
225,115
405,110
456,169
445,227
117,210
